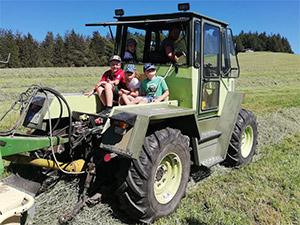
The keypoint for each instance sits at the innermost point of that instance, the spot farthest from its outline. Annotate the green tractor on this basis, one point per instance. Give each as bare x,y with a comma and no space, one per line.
145,151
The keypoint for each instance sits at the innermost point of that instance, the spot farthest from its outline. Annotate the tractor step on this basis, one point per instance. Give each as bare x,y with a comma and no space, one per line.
209,135
212,161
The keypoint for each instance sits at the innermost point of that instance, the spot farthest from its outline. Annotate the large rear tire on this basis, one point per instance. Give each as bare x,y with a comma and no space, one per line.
156,182
243,140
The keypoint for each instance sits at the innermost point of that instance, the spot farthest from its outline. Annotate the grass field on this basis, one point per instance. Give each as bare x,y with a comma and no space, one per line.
271,81
267,191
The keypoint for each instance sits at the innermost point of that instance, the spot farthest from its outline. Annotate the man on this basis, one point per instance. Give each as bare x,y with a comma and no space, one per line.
168,44
107,88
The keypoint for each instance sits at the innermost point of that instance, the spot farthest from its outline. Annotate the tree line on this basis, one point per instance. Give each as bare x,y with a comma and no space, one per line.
72,50
262,42
76,50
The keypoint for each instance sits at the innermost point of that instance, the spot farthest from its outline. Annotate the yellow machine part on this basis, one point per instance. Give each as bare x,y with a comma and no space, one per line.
75,166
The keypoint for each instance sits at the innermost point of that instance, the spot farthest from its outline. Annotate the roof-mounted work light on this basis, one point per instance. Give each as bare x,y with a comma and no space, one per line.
183,6
119,12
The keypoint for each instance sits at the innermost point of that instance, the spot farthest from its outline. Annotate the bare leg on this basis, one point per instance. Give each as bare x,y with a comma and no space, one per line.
143,101
109,94
101,95
125,99
135,101
120,101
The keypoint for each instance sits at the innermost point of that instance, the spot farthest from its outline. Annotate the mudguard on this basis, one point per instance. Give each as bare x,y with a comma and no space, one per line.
160,115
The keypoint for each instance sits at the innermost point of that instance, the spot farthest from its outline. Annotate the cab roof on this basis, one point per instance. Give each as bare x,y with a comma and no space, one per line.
157,19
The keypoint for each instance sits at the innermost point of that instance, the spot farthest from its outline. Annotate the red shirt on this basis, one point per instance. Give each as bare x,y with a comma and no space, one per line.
118,75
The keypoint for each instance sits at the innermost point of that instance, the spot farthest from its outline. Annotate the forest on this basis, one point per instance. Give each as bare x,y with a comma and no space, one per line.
77,50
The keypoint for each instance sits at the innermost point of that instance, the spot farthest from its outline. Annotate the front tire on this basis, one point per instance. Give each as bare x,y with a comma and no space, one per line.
243,140
156,182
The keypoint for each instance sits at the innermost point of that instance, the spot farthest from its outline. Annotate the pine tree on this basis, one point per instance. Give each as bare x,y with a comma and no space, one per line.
76,49
59,53
96,50
47,50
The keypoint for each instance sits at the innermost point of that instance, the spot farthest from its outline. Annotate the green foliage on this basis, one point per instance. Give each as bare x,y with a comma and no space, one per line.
28,51
72,50
262,42
8,45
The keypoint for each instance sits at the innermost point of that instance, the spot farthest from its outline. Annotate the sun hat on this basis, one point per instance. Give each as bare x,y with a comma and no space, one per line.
130,68
115,58
148,66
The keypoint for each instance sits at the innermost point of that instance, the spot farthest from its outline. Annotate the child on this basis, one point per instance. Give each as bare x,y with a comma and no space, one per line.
134,85
130,53
108,87
154,88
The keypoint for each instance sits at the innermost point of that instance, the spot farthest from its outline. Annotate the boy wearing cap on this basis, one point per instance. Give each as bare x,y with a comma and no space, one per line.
154,88
134,86
107,88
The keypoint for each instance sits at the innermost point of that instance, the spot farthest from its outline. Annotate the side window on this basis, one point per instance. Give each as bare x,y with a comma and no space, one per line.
211,44
157,54
230,66
154,42
134,45
225,56
197,44
211,65
232,55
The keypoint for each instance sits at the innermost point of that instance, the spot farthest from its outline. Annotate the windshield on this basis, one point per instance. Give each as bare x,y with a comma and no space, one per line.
148,44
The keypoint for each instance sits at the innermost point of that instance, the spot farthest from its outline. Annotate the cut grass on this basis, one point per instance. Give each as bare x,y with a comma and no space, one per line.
264,192
270,80
64,80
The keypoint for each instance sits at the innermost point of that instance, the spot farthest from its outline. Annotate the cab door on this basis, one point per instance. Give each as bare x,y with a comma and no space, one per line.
210,68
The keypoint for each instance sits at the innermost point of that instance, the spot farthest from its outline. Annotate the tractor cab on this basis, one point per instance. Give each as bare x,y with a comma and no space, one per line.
206,55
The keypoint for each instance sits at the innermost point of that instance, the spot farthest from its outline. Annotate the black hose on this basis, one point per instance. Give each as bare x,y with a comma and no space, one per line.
61,109
59,96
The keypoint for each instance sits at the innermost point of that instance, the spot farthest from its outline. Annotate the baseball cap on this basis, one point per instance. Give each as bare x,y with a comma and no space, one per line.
130,68
116,58
148,66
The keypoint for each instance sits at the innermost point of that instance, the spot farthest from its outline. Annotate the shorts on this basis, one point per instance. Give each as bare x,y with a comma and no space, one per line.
149,99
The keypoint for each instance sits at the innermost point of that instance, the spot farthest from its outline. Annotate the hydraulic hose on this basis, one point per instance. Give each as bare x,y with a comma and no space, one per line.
59,96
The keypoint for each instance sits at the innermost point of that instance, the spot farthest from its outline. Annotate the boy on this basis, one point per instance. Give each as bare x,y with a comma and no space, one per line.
107,88
134,86
154,88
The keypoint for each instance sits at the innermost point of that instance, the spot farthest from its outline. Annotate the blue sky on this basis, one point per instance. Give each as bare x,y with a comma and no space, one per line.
39,17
